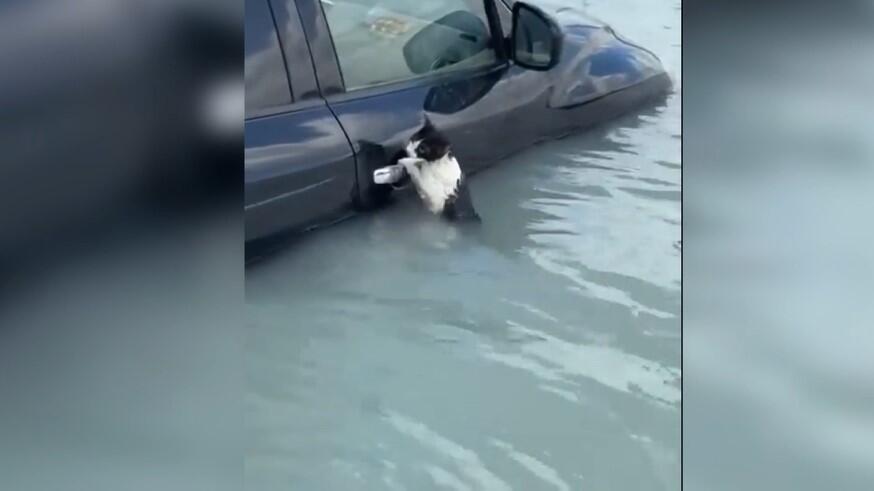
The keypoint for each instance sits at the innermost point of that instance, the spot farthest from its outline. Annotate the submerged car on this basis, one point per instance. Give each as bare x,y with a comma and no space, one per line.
334,88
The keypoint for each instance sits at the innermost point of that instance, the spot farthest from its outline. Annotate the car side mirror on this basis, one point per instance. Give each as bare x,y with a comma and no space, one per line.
536,40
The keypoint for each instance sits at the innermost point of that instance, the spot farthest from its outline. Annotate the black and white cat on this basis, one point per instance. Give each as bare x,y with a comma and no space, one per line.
437,176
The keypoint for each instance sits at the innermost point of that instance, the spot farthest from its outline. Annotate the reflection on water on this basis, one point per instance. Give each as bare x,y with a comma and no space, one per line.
538,351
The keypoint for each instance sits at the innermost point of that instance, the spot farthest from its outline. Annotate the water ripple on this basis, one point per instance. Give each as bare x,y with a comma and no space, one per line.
467,461
554,359
544,472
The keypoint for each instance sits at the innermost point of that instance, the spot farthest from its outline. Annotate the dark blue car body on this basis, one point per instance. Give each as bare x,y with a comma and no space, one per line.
310,154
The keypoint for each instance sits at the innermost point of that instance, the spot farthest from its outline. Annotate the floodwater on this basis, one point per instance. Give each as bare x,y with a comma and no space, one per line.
538,351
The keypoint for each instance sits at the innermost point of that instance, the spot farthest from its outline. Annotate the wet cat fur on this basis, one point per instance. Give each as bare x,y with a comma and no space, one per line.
437,176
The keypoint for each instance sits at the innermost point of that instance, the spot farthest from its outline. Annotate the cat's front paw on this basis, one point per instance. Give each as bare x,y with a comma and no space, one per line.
409,162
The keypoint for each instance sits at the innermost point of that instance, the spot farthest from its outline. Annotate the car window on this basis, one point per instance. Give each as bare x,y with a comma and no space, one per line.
265,75
380,41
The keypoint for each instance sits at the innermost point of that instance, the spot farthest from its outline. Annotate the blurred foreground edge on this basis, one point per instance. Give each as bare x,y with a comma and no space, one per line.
120,244
778,268
115,114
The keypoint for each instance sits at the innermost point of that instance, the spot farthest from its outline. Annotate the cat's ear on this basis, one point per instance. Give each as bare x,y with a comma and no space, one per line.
428,124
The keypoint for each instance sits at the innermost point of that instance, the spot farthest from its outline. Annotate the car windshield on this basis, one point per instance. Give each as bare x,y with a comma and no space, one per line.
379,41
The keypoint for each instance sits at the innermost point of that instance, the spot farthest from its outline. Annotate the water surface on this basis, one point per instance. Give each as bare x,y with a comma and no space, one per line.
538,351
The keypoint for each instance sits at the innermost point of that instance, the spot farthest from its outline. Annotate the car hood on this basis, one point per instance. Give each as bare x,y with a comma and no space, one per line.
560,10
595,60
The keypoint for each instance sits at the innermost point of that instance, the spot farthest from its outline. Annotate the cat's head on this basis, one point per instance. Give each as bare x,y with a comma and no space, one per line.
428,143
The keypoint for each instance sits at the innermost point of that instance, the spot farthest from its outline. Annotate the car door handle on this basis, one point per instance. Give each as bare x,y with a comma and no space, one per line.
389,174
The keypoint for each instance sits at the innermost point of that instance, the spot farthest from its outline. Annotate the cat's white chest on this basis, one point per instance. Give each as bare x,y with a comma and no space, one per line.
438,182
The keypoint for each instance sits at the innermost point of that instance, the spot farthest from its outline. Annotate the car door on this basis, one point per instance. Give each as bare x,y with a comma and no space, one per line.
382,67
299,165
